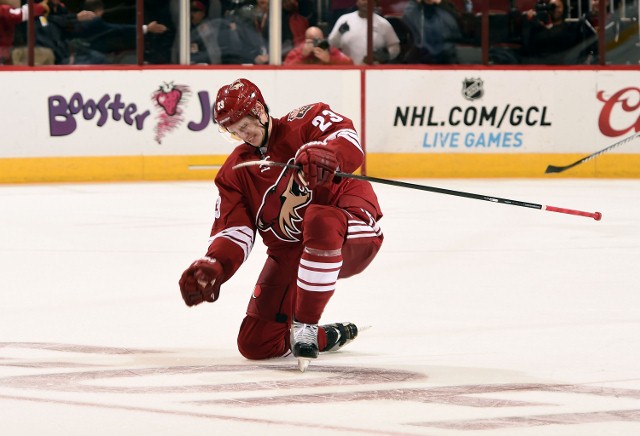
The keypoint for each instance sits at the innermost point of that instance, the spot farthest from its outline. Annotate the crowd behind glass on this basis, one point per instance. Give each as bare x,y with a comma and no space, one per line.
237,32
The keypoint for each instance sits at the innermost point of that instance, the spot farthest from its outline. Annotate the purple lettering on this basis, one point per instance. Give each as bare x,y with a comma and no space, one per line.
104,113
140,119
62,113
89,110
205,105
75,103
129,110
61,123
115,108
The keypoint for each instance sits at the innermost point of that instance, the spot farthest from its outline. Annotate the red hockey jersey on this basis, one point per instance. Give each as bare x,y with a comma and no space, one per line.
269,200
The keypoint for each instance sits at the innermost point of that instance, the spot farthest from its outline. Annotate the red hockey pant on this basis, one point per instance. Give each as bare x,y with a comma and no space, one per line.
264,332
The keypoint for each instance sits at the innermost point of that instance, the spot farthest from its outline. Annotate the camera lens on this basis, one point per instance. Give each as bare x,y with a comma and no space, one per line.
321,43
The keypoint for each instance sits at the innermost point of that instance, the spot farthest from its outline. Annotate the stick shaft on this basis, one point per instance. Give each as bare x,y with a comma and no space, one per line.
441,190
594,215
556,169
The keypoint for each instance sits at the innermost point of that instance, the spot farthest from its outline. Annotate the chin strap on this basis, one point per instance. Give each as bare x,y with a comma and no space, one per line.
266,134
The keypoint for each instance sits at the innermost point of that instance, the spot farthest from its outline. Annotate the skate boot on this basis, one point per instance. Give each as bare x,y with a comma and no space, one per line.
339,335
304,343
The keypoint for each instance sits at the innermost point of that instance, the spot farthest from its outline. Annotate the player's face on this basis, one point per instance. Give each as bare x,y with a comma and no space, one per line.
249,129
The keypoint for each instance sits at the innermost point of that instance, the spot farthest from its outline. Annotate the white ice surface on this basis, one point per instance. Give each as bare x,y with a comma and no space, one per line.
487,319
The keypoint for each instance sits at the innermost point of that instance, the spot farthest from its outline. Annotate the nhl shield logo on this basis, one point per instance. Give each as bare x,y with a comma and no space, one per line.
472,89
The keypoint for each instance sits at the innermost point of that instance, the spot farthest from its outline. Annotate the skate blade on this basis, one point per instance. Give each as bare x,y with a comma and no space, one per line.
303,363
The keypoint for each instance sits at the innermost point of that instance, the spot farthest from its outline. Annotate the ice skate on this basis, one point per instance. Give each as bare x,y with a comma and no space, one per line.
339,334
304,343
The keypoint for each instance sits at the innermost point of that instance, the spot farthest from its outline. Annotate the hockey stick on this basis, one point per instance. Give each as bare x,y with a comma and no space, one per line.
595,215
555,169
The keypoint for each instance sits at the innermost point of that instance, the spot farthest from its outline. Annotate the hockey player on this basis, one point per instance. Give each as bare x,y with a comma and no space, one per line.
316,228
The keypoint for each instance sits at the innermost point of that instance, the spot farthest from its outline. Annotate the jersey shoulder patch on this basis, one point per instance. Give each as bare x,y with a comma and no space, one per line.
299,113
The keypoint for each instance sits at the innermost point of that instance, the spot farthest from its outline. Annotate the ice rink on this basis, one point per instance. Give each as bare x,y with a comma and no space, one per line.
486,319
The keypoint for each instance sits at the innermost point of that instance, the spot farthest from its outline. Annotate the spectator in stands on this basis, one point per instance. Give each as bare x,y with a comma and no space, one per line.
55,30
338,8
158,46
56,7
239,40
350,35
101,39
315,50
204,35
591,23
293,23
213,8
550,39
435,32
261,17
10,17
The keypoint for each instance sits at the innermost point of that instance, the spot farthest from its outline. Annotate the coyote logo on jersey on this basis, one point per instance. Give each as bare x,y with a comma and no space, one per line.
280,205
